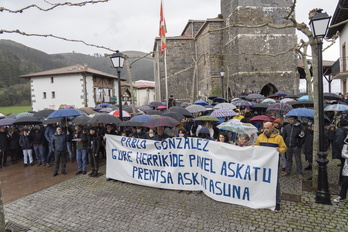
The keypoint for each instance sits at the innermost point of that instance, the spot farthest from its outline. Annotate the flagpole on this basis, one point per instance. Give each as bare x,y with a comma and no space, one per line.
165,75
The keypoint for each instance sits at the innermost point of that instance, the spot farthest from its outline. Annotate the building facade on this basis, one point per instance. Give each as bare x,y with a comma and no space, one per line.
255,56
77,86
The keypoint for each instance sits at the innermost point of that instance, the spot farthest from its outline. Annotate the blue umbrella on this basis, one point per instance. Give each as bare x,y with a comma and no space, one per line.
301,113
201,102
141,118
336,107
303,98
281,94
64,113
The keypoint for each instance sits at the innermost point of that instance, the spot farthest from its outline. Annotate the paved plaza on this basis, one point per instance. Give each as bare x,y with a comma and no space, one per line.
84,203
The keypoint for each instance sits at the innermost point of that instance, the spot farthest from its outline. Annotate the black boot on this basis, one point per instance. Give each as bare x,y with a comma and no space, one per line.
92,173
95,173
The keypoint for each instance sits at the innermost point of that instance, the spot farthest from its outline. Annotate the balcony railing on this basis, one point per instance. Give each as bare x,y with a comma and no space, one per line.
339,66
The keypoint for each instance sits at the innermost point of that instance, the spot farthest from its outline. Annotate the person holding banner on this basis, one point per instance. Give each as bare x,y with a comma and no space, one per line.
271,138
160,136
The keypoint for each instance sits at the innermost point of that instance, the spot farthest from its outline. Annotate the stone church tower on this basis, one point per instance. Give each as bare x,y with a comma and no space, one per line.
255,58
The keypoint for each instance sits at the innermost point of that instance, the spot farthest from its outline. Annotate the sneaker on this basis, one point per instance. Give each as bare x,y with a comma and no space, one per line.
31,164
277,208
338,199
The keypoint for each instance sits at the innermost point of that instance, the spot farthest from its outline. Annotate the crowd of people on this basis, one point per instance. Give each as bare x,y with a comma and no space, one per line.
59,143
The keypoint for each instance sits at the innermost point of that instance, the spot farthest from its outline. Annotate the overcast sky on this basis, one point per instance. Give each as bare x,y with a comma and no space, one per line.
123,25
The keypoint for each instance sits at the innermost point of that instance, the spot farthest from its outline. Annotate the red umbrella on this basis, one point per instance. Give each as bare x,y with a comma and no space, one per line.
117,113
262,118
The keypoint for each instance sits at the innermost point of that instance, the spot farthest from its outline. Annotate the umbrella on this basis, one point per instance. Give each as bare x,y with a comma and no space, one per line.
195,108
82,119
87,110
112,107
127,108
106,110
64,113
116,113
331,96
284,100
161,107
209,107
6,121
268,101
254,96
201,102
24,114
144,108
182,111
241,102
27,120
291,96
156,104
175,115
274,96
219,100
262,118
224,105
336,107
161,121
104,104
141,118
235,125
281,94
43,113
297,104
259,106
301,94
51,120
207,118
104,118
184,104
151,112
131,123
301,113
223,112
280,108
212,97
303,98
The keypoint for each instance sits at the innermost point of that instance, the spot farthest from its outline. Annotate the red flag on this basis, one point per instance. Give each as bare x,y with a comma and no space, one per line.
162,31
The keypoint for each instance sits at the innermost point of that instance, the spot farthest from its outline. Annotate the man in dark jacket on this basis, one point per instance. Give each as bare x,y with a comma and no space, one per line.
4,146
81,139
38,137
59,140
293,135
94,146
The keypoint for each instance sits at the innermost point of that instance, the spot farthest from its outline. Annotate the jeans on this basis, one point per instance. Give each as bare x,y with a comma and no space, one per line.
81,158
27,154
297,153
283,158
50,152
40,153
68,146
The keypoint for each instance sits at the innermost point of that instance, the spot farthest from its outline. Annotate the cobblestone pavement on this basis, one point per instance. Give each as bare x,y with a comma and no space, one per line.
93,204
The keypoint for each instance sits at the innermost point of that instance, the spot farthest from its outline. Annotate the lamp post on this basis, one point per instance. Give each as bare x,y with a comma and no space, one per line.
222,74
319,24
117,60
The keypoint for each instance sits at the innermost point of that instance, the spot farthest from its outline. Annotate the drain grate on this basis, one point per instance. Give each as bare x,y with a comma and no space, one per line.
15,227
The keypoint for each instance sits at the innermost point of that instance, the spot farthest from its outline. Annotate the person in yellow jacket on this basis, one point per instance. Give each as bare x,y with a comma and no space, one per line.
239,116
271,138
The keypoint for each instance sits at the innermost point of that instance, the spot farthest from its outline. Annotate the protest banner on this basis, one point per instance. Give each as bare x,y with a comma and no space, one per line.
224,172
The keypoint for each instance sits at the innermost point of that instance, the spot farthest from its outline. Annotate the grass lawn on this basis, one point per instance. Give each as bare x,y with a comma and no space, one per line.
7,110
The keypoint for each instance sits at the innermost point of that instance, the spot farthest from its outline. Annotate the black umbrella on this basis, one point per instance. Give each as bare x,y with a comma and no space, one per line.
27,120
131,123
212,97
175,115
182,111
6,121
254,96
161,121
156,104
43,113
299,104
259,106
219,100
153,112
82,119
104,118
331,96
291,96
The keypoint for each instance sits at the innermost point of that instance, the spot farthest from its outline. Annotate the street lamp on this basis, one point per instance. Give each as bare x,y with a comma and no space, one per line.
117,60
319,25
222,74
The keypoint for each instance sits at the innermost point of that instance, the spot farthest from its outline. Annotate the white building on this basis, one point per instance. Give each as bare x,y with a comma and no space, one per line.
144,92
76,86
339,68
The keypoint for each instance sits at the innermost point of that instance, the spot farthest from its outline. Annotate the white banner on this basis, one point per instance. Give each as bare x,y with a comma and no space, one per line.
227,173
